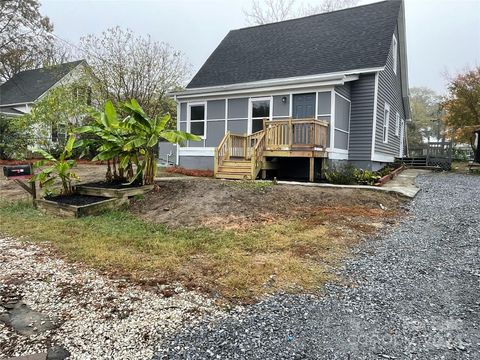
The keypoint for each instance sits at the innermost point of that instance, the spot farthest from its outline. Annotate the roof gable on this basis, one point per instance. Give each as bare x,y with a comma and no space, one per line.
350,39
27,86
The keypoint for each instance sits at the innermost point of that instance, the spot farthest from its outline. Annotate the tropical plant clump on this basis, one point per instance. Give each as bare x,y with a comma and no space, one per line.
60,168
130,142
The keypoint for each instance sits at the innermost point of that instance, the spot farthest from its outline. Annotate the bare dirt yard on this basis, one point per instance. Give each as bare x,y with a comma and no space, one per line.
239,204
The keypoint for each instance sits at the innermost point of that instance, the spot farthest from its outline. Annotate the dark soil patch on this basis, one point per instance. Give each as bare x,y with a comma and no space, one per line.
227,204
77,200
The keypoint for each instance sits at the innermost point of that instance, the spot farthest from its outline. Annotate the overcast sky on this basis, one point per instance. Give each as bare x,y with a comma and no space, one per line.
443,36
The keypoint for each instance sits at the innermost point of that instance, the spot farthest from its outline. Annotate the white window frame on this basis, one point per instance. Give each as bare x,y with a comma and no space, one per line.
189,117
250,110
386,123
395,54
397,124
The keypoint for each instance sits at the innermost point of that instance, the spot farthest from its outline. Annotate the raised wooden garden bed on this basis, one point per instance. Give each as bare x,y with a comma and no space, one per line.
390,176
78,205
112,190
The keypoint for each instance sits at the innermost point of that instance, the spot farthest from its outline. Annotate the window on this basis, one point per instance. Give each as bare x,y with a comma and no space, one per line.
260,111
395,54
386,121
196,115
397,124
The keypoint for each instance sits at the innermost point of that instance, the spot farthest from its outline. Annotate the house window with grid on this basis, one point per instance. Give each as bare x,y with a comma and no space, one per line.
386,122
197,117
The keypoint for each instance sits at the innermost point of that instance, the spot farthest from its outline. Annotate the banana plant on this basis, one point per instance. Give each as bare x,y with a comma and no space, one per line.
145,133
60,168
110,138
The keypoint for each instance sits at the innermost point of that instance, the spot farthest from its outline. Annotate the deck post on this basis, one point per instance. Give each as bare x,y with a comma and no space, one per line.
215,162
311,176
324,167
290,133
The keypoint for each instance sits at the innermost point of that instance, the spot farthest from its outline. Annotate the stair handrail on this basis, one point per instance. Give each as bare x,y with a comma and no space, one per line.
257,153
252,138
222,152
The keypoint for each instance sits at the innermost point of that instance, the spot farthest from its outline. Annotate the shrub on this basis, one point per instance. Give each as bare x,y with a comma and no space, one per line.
384,171
344,175
366,177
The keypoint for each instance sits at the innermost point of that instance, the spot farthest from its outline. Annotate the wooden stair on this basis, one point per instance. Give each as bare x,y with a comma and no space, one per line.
235,169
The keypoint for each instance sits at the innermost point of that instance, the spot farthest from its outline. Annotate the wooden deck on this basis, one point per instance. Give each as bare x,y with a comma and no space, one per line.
244,156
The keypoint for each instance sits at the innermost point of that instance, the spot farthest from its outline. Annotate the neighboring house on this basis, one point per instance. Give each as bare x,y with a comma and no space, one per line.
299,95
19,94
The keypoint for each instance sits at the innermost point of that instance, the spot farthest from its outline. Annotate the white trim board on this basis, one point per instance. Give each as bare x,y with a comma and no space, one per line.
338,154
343,76
264,90
374,124
383,157
196,151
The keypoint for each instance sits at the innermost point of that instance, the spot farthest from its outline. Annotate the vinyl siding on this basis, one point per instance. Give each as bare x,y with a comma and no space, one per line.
361,120
344,90
390,92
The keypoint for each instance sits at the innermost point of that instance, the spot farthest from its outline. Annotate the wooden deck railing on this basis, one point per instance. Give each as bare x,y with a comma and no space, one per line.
222,151
257,153
296,134
291,135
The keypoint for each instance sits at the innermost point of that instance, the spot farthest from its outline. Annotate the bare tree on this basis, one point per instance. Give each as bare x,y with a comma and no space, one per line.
268,11
24,34
129,66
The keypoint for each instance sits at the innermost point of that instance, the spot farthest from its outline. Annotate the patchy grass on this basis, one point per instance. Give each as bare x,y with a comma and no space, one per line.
290,256
255,186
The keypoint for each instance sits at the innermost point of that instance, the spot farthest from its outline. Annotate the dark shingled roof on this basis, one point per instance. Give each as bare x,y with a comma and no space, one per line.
27,86
355,38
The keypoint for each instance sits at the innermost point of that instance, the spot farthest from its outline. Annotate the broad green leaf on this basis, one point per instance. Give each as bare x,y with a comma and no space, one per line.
152,141
70,142
46,155
111,114
161,123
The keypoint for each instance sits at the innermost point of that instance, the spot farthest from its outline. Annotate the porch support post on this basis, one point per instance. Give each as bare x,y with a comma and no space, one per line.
311,176
324,167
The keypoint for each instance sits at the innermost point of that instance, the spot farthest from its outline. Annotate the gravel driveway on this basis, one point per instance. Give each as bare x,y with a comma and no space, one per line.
414,294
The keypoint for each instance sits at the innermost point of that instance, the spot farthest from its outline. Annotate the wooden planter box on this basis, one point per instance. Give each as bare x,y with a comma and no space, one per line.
66,210
390,176
113,192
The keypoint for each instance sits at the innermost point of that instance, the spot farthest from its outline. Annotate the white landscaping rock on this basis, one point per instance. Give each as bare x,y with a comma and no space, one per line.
101,318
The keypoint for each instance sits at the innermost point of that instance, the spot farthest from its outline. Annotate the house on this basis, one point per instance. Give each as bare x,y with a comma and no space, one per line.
301,95
24,89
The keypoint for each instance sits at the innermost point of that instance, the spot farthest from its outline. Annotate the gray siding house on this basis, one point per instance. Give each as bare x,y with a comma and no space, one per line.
299,95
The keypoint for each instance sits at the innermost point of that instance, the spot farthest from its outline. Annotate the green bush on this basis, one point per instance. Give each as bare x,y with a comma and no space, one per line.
384,171
14,138
344,175
366,177
350,175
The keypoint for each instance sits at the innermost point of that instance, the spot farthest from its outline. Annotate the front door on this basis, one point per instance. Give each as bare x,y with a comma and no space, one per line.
303,106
